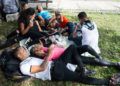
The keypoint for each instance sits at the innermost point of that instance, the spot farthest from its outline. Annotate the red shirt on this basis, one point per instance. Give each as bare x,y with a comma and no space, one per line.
64,21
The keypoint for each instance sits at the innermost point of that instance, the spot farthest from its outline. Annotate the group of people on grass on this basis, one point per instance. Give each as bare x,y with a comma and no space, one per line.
54,62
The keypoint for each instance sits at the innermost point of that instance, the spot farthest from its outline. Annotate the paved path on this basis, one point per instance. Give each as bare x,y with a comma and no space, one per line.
89,5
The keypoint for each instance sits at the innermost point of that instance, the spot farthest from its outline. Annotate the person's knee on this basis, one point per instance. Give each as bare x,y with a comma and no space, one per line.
86,47
71,27
72,46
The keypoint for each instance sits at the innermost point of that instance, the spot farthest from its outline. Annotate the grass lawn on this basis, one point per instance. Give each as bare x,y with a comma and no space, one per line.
109,29
116,0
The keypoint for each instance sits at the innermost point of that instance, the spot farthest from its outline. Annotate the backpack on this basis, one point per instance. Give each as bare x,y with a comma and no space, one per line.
10,6
10,67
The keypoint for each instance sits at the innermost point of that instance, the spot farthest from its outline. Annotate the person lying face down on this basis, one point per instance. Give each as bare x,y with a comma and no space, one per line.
58,70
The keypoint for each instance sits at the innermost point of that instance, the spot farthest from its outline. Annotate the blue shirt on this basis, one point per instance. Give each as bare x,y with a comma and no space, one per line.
45,15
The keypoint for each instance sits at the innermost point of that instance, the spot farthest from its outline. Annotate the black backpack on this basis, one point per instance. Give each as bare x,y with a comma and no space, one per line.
10,66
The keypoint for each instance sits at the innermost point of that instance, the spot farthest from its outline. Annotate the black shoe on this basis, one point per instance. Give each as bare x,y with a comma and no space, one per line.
88,72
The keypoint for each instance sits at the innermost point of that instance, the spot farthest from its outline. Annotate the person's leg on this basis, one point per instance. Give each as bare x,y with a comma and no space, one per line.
61,73
12,34
8,42
71,56
87,48
35,34
76,40
3,14
70,26
95,61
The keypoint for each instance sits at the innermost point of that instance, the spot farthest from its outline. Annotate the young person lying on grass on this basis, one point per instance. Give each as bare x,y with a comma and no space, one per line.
56,51
59,70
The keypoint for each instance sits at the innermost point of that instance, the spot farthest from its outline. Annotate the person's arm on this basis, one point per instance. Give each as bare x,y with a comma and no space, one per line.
24,30
52,20
61,18
41,19
39,28
43,66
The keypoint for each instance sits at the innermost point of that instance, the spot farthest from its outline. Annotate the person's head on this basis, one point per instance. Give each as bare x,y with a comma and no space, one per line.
39,8
82,16
38,50
21,53
28,13
24,6
57,14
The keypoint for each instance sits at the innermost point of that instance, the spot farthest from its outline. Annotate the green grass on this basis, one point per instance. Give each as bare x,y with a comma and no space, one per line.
109,42
116,0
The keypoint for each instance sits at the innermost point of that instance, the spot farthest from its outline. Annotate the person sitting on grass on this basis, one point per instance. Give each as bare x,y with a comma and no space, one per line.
62,69
88,31
23,6
62,22
40,51
27,27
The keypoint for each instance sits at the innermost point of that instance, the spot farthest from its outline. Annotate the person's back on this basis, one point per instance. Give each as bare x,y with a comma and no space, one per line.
89,31
90,35
63,24
45,15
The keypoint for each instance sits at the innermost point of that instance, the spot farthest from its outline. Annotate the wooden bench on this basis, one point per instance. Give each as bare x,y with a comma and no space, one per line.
41,1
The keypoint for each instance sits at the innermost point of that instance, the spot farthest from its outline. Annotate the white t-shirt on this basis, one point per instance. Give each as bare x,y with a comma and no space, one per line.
90,37
25,67
43,75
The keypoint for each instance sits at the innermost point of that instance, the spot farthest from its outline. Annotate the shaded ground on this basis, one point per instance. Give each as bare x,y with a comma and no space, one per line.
109,28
